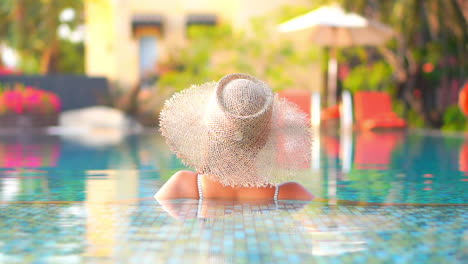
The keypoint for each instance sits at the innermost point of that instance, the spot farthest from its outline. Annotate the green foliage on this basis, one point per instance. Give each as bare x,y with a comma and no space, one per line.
71,57
412,117
192,65
216,51
289,12
29,64
377,76
31,28
454,119
427,33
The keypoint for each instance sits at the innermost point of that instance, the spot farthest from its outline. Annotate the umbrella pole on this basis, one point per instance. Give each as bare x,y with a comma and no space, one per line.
332,77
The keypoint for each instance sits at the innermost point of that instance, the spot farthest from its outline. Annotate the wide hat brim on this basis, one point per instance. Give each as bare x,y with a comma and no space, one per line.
285,152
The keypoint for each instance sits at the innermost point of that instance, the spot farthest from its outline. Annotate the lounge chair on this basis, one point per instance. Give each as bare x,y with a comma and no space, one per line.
373,110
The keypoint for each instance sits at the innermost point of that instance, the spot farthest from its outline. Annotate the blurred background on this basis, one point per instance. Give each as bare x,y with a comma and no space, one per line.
60,56
82,83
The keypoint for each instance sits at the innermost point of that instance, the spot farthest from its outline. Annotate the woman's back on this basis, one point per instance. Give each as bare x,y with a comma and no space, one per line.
184,184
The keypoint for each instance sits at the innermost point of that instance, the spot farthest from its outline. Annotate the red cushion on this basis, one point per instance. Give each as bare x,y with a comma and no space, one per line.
369,103
373,123
374,110
385,115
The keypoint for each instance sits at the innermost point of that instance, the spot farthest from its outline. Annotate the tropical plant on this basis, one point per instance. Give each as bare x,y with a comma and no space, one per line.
427,55
454,119
30,27
377,76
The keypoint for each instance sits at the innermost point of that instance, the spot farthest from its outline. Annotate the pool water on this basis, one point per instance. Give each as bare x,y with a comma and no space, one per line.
393,197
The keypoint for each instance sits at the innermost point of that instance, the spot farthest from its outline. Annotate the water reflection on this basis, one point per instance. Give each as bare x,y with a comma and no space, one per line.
102,187
374,150
45,168
390,167
18,154
395,167
463,160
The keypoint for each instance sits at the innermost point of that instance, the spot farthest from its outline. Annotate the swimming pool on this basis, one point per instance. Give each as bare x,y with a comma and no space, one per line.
380,198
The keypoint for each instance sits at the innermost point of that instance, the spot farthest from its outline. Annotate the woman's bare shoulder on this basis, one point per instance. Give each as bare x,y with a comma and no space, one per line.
183,184
294,191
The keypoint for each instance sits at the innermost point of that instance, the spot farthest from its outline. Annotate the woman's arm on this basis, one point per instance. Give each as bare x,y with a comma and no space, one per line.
183,184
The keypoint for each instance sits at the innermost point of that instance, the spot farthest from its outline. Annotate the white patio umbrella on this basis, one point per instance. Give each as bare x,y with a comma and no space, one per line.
332,26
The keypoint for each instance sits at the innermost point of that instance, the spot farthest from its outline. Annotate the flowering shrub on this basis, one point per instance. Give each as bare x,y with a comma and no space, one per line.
22,99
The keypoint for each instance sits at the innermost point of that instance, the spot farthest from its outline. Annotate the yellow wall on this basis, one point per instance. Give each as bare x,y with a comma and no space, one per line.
99,41
112,48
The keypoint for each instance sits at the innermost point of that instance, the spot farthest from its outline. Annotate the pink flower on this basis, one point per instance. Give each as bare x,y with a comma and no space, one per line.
20,100
55,101
2,104
32,99
13,101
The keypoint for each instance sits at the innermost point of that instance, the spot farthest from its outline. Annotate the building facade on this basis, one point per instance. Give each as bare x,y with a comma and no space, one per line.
126,38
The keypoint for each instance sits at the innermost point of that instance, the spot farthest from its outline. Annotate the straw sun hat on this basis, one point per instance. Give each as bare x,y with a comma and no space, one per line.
237,131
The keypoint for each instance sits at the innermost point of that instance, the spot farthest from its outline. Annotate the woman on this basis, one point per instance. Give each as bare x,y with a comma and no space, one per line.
241,139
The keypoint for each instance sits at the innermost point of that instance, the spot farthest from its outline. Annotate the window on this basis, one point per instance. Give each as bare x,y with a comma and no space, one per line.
148,54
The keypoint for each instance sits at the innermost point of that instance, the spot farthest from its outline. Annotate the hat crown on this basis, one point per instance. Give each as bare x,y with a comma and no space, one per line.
243,97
